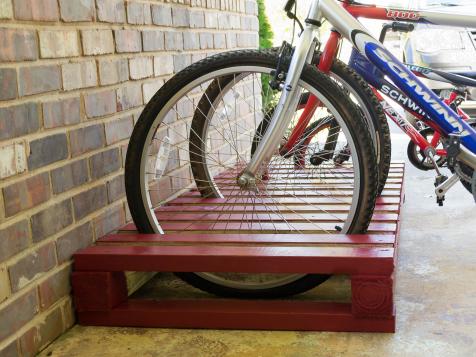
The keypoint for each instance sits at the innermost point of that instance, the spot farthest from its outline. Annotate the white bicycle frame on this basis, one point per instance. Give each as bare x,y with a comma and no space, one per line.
357,34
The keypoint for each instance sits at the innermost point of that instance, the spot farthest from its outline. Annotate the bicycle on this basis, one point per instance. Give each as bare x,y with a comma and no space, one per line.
200,131
423,138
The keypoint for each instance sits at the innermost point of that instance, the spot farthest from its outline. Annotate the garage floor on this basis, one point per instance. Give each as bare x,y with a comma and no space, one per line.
435,298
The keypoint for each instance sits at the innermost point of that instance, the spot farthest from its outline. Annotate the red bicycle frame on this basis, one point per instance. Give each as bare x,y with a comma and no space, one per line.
325,63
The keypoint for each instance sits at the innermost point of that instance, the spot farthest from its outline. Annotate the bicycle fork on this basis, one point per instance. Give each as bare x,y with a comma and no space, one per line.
287,104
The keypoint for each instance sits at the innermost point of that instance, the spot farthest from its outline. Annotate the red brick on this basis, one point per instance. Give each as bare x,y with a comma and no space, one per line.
32,266
51,220
153,40
104,163
116,188
118,130
111,10
68,314
180,17
129,96
112,219
206,40
86,139
181,61
26,194
76,239
8,83
79,75
18,45
100,103
149,89
75,10
89,201
19,120
6,9
10,350
162,15
14,239
128,41
17,313
61,113
97,42
173,41
191,41
138,13
163,64
39,79
112,71
161,190
47,150
41,335
57,44
141,67
69,176
197,19
54,288
30,342
38,10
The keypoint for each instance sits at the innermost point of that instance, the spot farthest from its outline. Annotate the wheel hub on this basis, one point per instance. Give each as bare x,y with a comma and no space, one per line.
247,181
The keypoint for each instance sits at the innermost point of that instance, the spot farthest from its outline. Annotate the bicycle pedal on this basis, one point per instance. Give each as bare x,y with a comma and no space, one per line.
440,201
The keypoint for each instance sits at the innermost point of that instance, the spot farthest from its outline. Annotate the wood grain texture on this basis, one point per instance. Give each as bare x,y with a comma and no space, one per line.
221,235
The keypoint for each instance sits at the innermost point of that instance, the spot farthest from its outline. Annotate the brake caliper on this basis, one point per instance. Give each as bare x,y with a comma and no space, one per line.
279,74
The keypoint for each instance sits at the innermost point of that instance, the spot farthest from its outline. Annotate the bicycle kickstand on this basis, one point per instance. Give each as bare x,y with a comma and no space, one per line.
443,187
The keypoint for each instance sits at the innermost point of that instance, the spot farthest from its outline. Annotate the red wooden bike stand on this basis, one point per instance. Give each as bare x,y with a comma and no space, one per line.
100,291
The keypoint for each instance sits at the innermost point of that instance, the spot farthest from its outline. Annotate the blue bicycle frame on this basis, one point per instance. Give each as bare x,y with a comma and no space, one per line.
440,114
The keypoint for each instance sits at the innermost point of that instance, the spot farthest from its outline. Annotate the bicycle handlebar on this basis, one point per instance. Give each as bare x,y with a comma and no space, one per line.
396,27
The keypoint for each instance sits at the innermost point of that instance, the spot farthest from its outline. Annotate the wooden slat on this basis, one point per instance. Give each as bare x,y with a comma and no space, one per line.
267,208
291,192
243,259
277,201
268,227
237,239
238,314
269,216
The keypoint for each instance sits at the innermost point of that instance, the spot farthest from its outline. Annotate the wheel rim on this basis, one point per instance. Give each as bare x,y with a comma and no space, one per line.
260,281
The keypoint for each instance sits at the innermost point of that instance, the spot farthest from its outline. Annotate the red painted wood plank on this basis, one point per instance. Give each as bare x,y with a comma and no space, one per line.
268,227
238,314
390,188
269,216
98,290
266,208
244,259
274,201
274,227
366,239
313,192
295,174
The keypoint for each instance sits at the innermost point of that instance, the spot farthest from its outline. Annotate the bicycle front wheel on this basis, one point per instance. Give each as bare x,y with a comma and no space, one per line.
195,137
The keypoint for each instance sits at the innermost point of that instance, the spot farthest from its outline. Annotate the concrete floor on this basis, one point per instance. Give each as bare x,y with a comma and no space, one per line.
435,298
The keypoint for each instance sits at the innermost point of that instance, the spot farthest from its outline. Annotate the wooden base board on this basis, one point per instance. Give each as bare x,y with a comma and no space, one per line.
100,289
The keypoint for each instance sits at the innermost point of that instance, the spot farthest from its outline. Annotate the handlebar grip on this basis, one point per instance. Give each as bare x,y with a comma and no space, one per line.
402,27
289,5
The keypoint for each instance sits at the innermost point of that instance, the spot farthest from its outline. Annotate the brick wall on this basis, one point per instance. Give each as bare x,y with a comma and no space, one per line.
74,77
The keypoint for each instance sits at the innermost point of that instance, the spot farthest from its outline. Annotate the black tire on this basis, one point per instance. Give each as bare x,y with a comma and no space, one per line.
379,124
466,170
376,120
347,110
